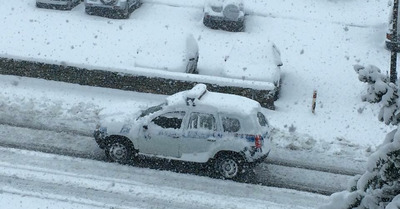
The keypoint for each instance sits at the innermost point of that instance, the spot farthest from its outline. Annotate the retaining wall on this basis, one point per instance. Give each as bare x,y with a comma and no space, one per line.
135,82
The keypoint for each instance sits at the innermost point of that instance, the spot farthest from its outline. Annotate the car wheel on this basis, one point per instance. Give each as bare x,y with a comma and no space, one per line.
119,150
229,166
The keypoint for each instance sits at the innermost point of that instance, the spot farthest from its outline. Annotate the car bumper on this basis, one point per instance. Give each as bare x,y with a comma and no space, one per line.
99,137
216,22
261,159
254,157
95,4
105,10
52,2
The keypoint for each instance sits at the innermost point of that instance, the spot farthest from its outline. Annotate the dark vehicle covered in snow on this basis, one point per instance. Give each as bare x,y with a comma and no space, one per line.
111,8
224,14
57,4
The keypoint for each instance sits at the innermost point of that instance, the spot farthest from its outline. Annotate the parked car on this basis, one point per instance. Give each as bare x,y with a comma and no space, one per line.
224,14
392,40
111,8
228,132
263,63
57,4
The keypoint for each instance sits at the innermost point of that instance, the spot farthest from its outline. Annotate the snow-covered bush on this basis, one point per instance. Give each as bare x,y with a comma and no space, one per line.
377,82
379,186
380,90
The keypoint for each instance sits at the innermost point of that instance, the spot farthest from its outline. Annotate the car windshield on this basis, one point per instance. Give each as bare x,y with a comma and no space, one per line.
151,110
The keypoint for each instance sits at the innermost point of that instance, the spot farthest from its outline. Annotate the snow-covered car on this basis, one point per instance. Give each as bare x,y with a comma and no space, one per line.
224,14
263,66
57,4
111,8
228,132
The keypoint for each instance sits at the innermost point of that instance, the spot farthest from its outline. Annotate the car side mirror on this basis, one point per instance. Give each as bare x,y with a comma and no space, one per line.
145,127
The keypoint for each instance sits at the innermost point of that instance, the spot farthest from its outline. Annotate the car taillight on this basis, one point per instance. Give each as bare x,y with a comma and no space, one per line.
257,141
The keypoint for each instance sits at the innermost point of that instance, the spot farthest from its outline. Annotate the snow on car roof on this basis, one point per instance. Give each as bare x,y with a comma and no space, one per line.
262,65
226,103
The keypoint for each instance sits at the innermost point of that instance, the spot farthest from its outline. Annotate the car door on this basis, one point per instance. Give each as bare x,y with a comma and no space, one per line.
200,134
162,134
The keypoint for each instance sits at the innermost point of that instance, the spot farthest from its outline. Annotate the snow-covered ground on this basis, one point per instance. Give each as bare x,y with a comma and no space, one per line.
319,41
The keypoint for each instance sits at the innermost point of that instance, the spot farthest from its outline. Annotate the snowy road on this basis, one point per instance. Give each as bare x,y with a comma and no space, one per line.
88,183
85,147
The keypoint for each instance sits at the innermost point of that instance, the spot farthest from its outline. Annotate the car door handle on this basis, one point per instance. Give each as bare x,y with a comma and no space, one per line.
211,140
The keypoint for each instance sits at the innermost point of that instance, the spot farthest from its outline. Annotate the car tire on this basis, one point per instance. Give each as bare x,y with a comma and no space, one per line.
229,165
119,150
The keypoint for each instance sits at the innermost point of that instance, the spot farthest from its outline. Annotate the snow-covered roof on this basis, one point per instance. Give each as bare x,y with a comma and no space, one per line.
199,96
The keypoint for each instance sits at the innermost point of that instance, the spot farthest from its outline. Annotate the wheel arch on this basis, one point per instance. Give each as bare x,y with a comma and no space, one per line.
120,137
221,153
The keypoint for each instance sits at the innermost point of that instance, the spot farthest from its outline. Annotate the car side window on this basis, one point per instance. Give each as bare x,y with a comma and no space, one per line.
202,121
230,124
170,120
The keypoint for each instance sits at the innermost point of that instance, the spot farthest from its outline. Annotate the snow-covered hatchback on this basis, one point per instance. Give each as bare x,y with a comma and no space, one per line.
57,4
112,8
227,131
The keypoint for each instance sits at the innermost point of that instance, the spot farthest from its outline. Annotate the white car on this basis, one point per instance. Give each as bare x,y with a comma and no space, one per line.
229,132
57,4
111,8
224,14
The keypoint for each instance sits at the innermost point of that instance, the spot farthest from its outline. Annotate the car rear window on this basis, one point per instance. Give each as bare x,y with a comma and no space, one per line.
230,124
261,119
